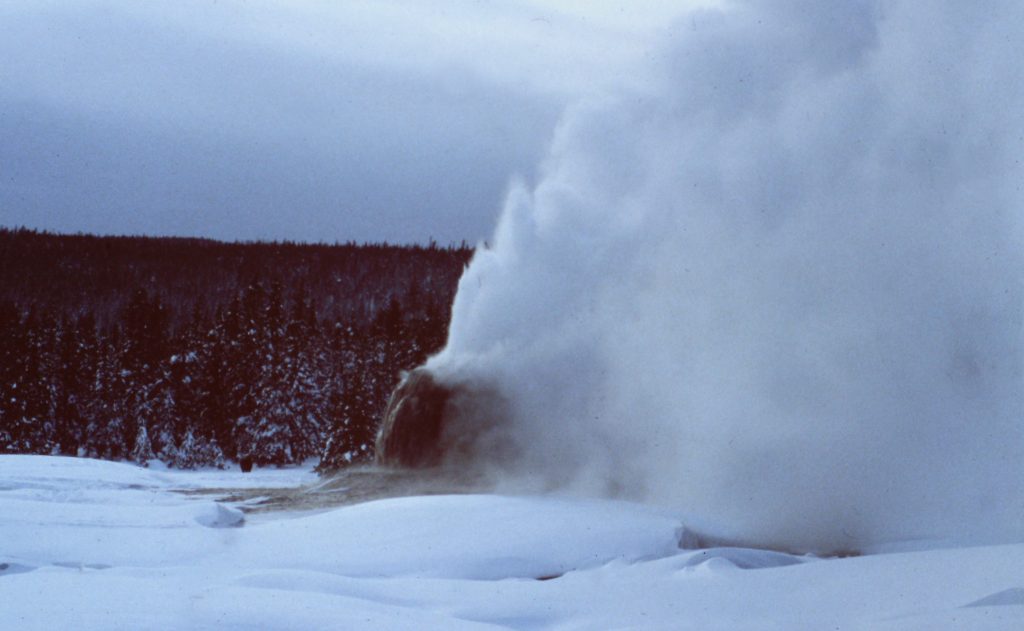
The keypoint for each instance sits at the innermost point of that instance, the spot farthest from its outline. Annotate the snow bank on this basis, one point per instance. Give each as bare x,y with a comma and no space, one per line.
94,545
21,473
479,537
81,512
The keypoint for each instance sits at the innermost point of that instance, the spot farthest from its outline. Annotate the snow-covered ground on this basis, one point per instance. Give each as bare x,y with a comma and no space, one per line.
86,544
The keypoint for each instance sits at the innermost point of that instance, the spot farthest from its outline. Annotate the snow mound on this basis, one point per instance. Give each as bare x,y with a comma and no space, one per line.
743,558
1012,596
15,568
20,472
481,537
219,516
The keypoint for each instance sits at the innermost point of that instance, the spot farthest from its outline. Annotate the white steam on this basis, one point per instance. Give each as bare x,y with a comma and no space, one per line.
780,285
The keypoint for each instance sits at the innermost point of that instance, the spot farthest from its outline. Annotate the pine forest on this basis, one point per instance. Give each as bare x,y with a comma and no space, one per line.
198,353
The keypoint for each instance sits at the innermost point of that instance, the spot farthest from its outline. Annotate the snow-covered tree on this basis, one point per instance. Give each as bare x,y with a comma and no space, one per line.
142,453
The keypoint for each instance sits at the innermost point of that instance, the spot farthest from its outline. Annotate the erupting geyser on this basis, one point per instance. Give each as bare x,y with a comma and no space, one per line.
776,281
430,424
414,432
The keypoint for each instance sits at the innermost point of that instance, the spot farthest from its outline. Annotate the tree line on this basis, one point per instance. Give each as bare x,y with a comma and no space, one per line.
196,352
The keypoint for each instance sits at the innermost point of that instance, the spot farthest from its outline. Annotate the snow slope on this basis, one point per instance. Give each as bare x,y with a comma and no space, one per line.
98,545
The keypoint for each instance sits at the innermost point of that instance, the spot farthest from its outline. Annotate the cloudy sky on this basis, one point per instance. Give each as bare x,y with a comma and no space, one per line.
309,120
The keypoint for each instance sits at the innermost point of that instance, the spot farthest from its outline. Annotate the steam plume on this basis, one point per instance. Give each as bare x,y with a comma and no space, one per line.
777,280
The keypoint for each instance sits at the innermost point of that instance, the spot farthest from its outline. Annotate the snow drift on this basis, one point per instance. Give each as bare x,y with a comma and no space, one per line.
86,544
776,280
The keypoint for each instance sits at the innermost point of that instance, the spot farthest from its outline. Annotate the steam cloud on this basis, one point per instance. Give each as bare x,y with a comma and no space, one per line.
777,281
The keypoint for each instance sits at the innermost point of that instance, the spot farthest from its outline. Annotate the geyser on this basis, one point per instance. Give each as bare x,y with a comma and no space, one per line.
428,423
775,281
415,431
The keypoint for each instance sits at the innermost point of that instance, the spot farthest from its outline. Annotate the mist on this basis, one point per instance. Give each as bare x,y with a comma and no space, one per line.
776,280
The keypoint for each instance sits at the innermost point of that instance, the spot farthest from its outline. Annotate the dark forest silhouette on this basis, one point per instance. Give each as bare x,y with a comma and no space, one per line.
196,352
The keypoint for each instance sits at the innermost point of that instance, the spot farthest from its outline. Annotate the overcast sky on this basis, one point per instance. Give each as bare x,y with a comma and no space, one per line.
396,120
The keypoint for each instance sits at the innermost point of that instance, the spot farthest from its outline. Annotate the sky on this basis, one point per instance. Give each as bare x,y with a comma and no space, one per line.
303,120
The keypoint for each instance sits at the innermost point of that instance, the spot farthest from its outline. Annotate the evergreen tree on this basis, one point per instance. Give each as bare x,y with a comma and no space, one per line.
13,347
142,453
108,427
209,454
75,371
354,405
28,412
187,456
